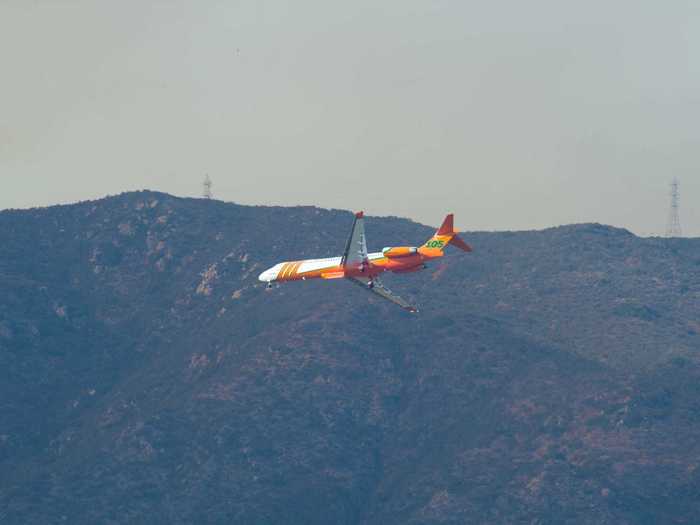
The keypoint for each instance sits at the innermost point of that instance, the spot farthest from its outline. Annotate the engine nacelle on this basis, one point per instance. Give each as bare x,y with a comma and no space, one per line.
399,251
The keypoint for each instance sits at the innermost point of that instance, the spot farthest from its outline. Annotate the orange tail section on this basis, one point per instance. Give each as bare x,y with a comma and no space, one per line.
445,235
448,226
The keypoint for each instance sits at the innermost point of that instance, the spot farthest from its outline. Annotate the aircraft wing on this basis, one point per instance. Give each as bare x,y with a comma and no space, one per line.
355,254
382,291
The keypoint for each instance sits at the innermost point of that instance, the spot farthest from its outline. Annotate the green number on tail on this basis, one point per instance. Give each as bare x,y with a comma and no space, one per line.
435,244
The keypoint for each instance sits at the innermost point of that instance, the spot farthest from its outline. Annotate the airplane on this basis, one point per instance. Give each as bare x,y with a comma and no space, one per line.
362,268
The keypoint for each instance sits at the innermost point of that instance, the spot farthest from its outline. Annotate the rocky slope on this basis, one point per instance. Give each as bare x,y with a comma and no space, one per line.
146,376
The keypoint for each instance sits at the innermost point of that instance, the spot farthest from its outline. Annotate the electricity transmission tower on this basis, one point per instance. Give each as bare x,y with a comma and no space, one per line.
673,228
207,187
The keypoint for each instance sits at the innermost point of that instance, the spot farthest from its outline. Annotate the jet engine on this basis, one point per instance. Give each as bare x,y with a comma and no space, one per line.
399,251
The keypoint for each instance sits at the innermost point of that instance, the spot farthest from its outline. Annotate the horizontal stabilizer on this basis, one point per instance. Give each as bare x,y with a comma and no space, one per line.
459,243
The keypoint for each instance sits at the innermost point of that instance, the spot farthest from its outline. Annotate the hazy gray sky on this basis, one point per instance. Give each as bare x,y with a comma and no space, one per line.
512,114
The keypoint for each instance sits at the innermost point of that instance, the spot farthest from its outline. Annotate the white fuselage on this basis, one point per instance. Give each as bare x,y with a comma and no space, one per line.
311,265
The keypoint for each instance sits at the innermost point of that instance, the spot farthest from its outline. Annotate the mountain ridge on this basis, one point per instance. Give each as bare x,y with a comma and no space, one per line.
145,372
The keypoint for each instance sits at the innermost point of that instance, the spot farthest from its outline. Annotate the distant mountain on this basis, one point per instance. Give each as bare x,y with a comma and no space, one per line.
146,376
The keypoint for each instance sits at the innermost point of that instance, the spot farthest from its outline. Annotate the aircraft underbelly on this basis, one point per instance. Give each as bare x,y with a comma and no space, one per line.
403,264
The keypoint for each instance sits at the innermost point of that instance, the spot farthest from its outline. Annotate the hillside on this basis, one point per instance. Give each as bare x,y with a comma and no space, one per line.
147,376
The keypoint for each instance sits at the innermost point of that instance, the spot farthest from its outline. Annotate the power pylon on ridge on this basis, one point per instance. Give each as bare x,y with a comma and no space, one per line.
673,228
207,187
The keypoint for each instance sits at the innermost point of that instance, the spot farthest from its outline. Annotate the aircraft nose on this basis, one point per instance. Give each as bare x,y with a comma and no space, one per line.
270,274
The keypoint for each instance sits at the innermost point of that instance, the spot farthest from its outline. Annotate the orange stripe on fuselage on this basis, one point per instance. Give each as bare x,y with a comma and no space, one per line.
283,271
289,271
